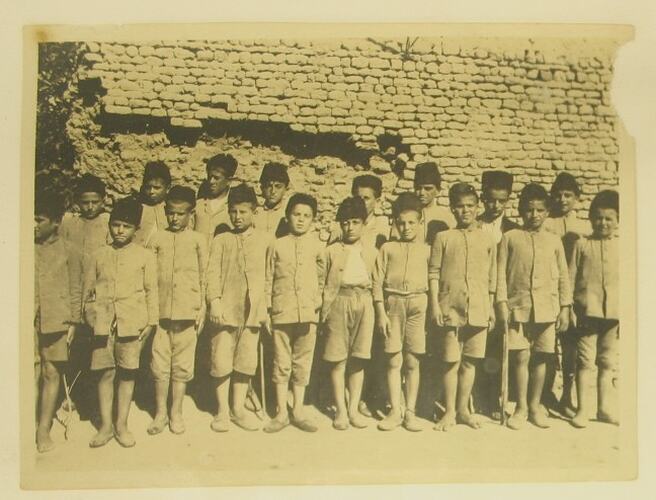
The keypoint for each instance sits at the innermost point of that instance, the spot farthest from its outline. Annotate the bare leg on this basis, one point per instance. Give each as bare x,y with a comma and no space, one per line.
538,369
519,362
339,395
604,395
125,394
355,372
583,379
450,387
178,391
299,396
222,396
106,405
466,377
49,394
161,400
282,414
393,419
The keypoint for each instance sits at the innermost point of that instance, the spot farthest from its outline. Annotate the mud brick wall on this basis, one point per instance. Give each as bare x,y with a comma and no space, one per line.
332,109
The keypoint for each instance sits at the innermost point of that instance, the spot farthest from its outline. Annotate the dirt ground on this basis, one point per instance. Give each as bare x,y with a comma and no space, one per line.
201,456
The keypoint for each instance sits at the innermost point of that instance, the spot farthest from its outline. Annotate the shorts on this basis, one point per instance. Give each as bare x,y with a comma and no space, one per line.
109,351
174,351
539,337
234,349
293,352
598,343
407,315
349,326
53,347
468,341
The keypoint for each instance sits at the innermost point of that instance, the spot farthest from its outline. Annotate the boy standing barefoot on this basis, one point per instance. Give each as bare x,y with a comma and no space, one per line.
235,292
181,256
534,299
348,312
400,286
462,279
294,281
121,280
58,294
594,274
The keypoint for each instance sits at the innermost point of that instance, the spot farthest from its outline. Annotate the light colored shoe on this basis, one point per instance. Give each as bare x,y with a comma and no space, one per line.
177,426
125,438
390,422
221,423
411,422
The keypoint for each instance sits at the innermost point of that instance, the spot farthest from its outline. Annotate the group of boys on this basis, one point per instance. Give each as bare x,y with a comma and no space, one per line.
174,263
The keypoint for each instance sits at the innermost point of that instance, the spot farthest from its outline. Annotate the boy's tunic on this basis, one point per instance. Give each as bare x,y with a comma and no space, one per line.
85,235
375,232
294,278
209,214
594,277
235,276
532,276
181,262
569,228
498,227
272,220
463,261
153,219
401,268
58,286
124,282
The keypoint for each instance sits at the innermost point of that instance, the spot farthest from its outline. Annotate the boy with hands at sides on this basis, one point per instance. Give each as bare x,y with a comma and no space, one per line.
533,299
235,293
400,286
462,281
120,284
347,313
181,256
155,185
293,287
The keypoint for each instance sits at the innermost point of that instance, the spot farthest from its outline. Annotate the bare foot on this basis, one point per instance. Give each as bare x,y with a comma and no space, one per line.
158,424
607,418
580,421
341,421
391,421
44,442
102,437
467,418
446,422
517,419
358,420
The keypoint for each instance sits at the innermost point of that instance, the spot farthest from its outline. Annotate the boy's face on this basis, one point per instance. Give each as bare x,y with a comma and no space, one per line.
426,193
564,201
154,190
407,224
465,210
44,227
534,213
368,195
273,192
91,204
495,202
604,222
241,215
217,181
351,229
121,232
178,214
300,219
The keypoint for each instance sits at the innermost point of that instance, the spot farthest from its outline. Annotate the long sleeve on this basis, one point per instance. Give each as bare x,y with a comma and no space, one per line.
435,260
201,250
75,284
492,283
268,275
89,279
322,269
573,265
564,288
214,275
150,287
502,262
379,275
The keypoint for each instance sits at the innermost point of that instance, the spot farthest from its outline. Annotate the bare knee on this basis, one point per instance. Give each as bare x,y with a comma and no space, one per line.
394,361
410,362
49,373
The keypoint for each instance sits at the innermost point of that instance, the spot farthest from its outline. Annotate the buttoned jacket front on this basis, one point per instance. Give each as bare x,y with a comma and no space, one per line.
86,235
401,268
206,221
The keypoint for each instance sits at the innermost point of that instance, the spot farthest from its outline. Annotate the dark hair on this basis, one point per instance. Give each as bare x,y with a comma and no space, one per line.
182,194
157,170
367,181
565,182
225,162
351,208
89,183
301,199
127,210
49,204
274,171
532,192
608,198
427,173
496,179
461,189
242,194
404,202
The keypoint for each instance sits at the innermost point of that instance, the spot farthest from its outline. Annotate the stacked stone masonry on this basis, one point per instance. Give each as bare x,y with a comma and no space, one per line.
532,107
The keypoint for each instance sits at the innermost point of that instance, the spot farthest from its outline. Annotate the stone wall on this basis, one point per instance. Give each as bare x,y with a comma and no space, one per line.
330,109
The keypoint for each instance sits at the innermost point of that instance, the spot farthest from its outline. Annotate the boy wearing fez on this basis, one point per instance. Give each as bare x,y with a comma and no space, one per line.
533,299
347,313
400,286
235,293
274,183
462,279
594,275
181,256
212,206
58,302
120,285
293,287
155,185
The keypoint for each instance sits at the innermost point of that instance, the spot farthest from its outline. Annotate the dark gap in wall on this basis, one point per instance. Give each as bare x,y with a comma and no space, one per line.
131,124
90,89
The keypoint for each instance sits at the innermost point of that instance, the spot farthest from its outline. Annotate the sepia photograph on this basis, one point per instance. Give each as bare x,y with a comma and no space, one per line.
267,255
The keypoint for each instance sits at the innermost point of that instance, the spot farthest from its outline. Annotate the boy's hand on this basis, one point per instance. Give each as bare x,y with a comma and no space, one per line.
504,313
493,319
215,312
147,330
384,324
70,335
200,320
268,325
562,322
437,316
573,320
